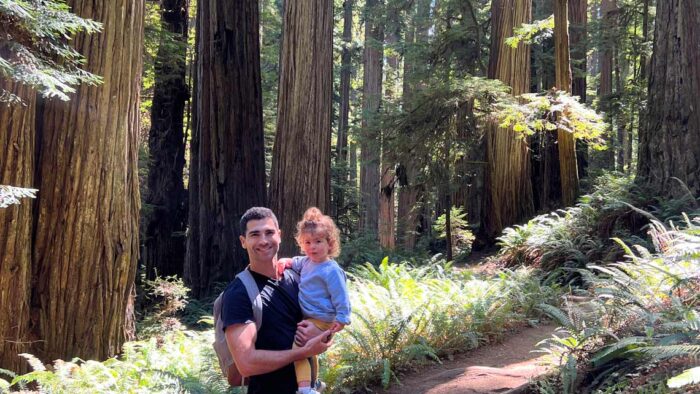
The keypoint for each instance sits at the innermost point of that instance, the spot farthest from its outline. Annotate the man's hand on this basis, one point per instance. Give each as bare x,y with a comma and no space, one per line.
319,344
283,264
305,331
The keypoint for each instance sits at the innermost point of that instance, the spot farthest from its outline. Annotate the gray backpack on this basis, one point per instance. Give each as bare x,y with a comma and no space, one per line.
228,366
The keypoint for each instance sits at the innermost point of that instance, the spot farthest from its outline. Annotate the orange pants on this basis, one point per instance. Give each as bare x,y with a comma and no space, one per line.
303,367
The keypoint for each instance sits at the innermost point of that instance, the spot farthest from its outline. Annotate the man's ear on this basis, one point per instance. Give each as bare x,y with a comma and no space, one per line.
242,238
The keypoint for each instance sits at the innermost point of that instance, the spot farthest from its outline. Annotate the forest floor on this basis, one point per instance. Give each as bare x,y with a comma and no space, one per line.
504,367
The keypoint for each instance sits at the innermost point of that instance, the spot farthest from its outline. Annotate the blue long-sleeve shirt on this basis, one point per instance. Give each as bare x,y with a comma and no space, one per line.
323,294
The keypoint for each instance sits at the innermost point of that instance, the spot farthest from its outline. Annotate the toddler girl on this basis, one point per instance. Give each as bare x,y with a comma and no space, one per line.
323,296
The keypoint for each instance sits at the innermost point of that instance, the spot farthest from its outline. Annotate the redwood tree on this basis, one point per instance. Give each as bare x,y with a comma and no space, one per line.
343,117
371,101
568,169
227,173
166,217
411,190
578,25
85,246
300,175
509,189
669,139
16,168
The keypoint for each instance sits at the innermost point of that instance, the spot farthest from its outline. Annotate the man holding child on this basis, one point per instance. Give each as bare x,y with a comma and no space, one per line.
267,355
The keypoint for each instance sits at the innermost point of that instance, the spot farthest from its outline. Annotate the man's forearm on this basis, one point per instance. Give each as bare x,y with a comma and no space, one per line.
259,362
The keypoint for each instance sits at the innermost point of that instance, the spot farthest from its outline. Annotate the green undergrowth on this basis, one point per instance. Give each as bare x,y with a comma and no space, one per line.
562,241
402,316
640,331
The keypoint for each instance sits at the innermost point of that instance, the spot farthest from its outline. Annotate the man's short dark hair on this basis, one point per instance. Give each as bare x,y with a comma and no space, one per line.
256,213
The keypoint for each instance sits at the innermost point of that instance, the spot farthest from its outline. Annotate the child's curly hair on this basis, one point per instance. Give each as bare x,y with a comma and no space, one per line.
315,222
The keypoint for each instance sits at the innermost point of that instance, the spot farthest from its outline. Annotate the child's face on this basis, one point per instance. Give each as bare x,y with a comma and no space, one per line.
315,246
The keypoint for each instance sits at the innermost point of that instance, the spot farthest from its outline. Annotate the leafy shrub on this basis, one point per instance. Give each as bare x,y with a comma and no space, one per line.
182,361
645,332
404,315
165,297
462,237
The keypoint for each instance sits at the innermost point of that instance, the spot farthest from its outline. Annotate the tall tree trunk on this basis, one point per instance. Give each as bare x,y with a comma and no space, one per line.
509,190
371,102
620,121
166,218
565,140
86,234
301,161
608,7
411,191
387,228
227,173
343,124
16,169
578,18
669,145
546,184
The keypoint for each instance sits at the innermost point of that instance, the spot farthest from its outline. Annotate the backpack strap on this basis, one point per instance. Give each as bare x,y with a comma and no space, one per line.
253,293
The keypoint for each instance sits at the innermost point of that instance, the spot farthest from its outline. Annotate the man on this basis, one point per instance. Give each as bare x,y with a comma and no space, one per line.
267,356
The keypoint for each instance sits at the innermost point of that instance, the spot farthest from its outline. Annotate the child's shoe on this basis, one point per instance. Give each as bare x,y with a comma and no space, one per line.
319,386
307,390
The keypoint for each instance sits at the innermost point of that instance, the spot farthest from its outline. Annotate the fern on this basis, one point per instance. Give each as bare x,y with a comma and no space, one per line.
687,377
664,352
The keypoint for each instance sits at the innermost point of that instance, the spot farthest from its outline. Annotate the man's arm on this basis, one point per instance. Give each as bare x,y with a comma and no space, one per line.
251,361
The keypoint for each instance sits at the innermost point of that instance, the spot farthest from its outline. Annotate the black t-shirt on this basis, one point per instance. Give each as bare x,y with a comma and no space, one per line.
281,313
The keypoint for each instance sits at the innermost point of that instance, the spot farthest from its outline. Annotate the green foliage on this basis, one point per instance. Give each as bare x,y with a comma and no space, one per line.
182,361
36,50
462,238
689,376
554,110
532,33
404,315
562,241
646,319
165,297
10,195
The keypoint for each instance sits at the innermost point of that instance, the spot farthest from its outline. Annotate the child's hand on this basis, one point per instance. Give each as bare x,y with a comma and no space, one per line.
337,326
283,264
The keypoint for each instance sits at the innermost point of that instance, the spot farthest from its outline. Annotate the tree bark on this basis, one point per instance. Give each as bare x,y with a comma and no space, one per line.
607,157
509,197
370,138
411,191
300,175
578,18
565,140
669,143
387,217
622,133
166,213
86,233
227,173
16,169
343,121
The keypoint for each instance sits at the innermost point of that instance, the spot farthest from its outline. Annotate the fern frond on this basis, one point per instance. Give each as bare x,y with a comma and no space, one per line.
664,352
557,314
687,377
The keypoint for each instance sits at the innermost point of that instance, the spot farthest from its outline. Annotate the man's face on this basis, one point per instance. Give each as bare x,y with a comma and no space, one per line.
261,240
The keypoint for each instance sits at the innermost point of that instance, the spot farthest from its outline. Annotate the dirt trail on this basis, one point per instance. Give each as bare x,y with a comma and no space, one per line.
497,368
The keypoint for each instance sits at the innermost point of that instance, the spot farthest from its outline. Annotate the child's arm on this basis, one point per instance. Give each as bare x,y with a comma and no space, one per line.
339,298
